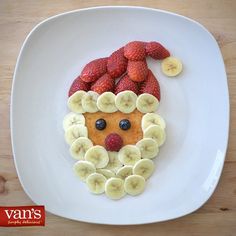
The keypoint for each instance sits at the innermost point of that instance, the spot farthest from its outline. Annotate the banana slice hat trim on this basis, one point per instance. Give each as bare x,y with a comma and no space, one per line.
125,101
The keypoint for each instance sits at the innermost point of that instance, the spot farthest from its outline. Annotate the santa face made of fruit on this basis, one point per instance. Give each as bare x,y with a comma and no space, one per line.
112,128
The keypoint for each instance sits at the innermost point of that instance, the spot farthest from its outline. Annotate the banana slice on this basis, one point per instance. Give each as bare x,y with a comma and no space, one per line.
74,132
134,185
79,147
98,156
114,164
106,102
126,101
75,102
152,119
148,148
147,103
106,173
124,172
114,188
171,66
129,155
83,169
144,167
96,183
89,102
73,119
155,132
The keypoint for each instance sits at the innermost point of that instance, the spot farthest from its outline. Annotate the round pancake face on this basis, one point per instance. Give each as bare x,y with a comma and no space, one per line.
129,136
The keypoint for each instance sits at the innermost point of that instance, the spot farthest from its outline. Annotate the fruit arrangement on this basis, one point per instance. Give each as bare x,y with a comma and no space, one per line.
112,128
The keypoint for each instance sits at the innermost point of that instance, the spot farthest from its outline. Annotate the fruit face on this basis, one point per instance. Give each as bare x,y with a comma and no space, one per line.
112,129
113,137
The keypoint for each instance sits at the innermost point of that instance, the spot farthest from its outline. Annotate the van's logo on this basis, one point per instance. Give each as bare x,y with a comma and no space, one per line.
22,216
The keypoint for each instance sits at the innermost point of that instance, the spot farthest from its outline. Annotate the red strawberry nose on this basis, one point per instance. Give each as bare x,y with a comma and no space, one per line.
113,142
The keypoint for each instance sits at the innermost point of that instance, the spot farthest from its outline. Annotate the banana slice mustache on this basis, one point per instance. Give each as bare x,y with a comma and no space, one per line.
79,147
98,156
129,155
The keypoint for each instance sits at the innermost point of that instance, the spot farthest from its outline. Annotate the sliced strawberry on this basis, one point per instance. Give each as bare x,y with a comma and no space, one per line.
117,63
137,70
103,84
77,85
156,51
135,51
94,70
125,83
151,85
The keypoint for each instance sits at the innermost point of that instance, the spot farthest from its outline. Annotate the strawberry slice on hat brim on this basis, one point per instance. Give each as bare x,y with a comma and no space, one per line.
103,84
151,86
78,84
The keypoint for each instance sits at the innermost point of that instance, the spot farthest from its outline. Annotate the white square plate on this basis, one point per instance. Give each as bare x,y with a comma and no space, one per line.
195,106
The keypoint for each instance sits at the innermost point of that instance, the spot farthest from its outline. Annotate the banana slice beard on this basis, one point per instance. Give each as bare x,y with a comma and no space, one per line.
129,155
144,167
171,66
155,132
147,103
114,164
134,185
106,102
73,119
152,119
79,147
148,148
124,172
126,101
114,188
89,102
83,169
106,173
96,183
75,102
74,132
98,156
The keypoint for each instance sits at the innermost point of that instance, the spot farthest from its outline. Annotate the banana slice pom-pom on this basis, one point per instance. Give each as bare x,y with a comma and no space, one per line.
171,66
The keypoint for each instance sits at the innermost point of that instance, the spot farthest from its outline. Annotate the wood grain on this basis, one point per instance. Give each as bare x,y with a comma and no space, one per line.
218,215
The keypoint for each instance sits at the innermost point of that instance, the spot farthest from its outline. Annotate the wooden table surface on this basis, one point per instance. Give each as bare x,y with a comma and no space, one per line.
218,215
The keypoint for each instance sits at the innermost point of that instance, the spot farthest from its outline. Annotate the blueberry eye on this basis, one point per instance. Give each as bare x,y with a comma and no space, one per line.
125,124
100,124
